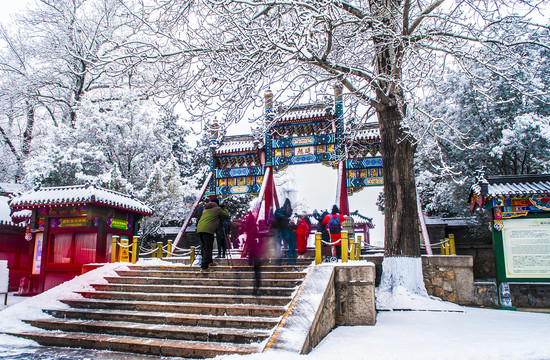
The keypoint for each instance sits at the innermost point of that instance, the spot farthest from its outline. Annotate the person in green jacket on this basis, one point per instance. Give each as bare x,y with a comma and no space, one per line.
209,221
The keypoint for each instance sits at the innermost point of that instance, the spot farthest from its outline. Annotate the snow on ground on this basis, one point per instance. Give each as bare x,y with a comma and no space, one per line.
470,333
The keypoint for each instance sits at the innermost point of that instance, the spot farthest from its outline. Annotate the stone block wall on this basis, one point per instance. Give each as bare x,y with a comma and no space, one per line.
324,320
450,278
485,293
355,299
524,295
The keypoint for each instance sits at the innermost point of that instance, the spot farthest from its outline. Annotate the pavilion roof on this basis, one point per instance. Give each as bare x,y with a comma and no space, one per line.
237,144
358,219
5,217
78,195
512,185
303,112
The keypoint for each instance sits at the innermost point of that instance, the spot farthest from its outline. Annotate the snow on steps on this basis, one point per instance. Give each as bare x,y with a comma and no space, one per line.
174,311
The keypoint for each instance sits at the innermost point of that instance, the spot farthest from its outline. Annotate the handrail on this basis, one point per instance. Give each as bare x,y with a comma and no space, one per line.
195,205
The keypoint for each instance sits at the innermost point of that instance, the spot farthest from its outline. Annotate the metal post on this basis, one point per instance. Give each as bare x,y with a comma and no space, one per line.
192,256
135,249
159,249
358,248
452,244
351,248
169,249
318,257
344,246
123,254
114,249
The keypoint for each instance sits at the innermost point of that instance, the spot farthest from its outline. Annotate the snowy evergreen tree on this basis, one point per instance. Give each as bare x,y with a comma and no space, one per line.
494,125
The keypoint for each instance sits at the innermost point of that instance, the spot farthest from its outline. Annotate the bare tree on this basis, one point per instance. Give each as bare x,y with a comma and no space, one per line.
217,55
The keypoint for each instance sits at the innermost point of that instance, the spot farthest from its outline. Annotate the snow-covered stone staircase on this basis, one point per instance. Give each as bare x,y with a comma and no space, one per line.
175,311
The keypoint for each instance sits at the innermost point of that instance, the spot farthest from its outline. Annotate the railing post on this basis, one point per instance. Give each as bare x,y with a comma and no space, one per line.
344,246
452,244
159,249
124,252
114,246
358,247
135,249
192,256
318,257
169,249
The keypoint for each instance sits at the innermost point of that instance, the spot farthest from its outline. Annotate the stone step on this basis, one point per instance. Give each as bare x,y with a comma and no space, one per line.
183,308
145,317
196,273
201,281
236,260
221,268
140,345
185,289
160,331
189,298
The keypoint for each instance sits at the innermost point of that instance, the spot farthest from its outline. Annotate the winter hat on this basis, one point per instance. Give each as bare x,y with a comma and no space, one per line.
335,209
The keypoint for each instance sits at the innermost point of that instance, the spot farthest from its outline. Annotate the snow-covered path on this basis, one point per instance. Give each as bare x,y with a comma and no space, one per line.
472,334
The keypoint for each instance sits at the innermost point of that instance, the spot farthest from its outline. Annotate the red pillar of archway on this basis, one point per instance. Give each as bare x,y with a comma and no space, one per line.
342,189
271,201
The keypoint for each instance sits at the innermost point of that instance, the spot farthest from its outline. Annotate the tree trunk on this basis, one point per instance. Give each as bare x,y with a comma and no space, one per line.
401,236
25,143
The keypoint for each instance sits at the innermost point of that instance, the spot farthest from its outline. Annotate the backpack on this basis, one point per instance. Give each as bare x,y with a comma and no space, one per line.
334,225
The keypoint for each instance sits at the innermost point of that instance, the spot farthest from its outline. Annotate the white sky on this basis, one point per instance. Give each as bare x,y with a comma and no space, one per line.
462,334
315,187
10,7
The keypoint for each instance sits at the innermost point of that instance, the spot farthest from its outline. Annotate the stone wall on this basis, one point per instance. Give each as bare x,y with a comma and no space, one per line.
332,295
485,293
355,300
524,295
451,277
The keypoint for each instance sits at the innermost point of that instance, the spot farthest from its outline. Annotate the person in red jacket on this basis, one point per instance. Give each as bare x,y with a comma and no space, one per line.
302,233
333,223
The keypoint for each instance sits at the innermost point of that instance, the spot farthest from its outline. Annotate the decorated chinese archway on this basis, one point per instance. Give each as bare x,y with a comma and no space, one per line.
303,134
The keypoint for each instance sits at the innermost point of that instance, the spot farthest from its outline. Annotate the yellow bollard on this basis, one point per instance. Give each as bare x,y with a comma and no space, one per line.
318,257
124,253
169,249
192,256
135,249
358,247
452,244
351,249
344,246
159,250
114,246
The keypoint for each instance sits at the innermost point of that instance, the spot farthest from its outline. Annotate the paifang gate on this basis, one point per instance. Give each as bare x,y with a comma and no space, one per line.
302,134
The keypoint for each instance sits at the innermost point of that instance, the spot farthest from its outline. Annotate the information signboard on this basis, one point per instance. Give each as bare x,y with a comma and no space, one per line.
526,243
